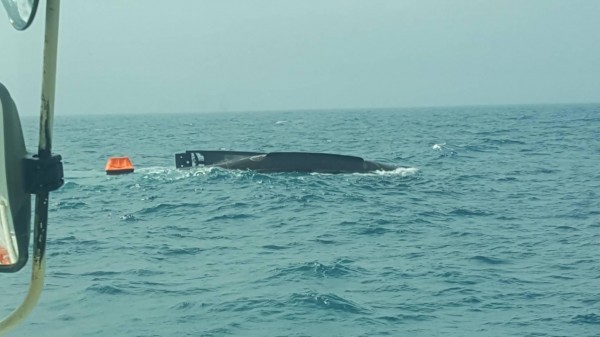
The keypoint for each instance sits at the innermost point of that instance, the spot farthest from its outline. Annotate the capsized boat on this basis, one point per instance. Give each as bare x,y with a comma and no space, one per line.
304,162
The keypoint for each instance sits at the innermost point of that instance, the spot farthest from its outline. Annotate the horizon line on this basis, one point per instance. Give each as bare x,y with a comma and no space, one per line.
288,110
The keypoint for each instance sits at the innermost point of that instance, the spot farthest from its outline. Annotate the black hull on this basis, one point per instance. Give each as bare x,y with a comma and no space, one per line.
303,162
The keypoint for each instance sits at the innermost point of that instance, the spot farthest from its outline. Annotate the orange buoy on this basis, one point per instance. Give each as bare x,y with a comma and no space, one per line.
119,165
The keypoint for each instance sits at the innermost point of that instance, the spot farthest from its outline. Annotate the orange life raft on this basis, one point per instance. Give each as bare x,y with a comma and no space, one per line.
118,165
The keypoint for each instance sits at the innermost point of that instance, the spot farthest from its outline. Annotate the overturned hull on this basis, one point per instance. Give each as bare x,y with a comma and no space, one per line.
280,161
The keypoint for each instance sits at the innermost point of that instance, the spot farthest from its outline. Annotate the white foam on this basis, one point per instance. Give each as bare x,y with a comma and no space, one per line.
172,174
400,171
442,147
152,170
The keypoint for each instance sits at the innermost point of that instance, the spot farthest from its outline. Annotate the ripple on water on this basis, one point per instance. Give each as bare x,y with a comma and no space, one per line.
326,302
316,269
106,289
591,318
488,260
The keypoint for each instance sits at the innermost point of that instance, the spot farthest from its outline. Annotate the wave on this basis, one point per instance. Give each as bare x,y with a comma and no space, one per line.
487,260
317,270
591,318
327,302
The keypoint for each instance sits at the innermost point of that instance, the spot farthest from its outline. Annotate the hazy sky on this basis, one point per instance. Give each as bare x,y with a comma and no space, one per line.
224,55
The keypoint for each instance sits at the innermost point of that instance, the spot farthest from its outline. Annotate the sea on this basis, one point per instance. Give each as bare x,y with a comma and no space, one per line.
491,227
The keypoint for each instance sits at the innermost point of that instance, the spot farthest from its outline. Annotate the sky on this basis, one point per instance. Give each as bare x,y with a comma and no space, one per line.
149,56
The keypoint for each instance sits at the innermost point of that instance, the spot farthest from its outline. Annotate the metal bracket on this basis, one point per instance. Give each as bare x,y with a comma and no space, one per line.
43,175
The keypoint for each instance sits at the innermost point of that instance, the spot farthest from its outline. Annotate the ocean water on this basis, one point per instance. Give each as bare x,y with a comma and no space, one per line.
492,229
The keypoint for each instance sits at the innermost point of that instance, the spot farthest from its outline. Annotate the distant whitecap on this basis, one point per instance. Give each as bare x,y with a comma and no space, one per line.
438,147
